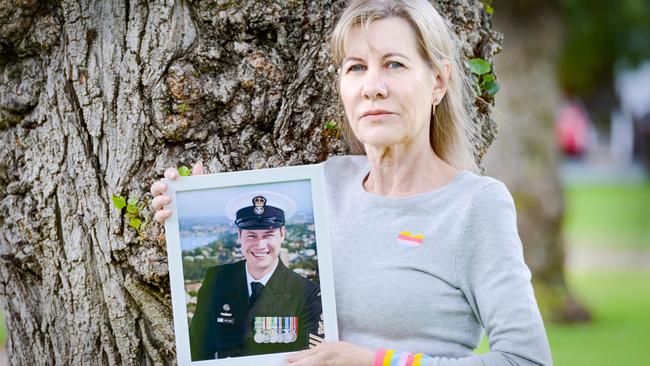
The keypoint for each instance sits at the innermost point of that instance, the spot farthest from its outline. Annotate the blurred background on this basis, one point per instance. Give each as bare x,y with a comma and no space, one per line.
574,150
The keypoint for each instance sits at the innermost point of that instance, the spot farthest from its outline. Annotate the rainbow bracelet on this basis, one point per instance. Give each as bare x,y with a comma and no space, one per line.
391,357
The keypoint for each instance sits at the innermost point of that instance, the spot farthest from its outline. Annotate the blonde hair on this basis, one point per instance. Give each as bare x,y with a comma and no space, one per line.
450,125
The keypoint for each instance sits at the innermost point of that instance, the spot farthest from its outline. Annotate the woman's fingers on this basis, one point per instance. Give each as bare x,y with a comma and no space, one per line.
158,188
197,168
171,173
302,354
162,215
159,201
307,361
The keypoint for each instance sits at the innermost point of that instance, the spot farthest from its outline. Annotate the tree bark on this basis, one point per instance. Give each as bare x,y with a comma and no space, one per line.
98,97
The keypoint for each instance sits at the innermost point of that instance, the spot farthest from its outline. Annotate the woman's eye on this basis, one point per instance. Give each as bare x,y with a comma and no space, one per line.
356,68
394,65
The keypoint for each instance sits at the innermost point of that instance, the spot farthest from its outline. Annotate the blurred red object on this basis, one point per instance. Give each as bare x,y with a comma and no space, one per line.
571,127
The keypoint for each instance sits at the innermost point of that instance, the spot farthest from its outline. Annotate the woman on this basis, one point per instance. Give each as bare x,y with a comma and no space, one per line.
426,253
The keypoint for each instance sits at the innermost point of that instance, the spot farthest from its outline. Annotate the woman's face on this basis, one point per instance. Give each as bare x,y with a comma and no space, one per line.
386,87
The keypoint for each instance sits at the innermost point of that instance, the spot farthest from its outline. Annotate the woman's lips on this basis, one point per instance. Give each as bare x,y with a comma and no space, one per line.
375,114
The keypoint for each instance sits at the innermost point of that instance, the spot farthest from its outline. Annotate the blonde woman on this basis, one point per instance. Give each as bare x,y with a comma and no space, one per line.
426,252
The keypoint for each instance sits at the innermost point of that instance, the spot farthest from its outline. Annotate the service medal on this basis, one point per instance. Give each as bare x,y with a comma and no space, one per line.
275,337
258,329
287,336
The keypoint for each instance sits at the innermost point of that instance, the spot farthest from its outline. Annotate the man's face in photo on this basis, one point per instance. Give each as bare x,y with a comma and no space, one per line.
261,247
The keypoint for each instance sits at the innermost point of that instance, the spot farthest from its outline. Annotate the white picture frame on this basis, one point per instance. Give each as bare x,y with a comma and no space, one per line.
195,194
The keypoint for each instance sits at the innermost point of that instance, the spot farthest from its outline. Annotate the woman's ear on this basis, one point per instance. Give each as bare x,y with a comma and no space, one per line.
442,80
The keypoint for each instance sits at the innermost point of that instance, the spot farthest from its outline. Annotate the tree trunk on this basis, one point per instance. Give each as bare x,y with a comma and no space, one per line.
98,98
525,156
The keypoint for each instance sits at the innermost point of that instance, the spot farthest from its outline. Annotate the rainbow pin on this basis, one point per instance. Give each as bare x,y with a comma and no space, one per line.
408,241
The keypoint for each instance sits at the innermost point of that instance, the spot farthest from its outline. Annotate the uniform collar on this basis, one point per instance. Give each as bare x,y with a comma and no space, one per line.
263,280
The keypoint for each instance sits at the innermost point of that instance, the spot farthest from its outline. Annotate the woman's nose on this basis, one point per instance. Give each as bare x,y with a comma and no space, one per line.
374,86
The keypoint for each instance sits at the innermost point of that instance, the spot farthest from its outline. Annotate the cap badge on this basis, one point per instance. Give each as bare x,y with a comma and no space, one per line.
258,205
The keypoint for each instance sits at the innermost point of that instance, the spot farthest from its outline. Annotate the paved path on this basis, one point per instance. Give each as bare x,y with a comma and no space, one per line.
608,259
581,172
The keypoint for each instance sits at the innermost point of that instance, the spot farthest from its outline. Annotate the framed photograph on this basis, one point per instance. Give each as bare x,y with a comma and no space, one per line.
250,265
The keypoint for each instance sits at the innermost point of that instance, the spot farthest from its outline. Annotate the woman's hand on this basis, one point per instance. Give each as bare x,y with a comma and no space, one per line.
159,188
333,354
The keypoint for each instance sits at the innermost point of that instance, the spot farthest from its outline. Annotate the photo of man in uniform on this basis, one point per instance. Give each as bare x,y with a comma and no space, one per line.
256,305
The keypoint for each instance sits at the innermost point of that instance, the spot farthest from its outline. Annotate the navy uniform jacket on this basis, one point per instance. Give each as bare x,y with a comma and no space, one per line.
224,319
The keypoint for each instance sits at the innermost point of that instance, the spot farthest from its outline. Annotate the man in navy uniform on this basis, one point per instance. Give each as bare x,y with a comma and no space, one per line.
257,305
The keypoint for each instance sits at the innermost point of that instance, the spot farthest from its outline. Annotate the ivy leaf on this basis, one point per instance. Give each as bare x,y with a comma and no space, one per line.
132,209
331,125
184,171
491,88
135,223
132,200
488,77
119,202
479,66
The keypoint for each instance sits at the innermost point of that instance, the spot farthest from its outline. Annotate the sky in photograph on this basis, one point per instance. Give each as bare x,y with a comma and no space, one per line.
211,202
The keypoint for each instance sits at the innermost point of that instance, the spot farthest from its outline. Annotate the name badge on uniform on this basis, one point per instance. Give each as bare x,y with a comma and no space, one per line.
275,329
227,317
226,320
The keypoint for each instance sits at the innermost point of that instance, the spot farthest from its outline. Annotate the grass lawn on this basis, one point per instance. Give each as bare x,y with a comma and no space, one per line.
607,215
618,335
620,302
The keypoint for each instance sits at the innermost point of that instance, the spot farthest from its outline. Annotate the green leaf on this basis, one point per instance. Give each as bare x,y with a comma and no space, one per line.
119,202
491,88
132,209
479,66
184,171
132,200
488,77
182,108
135,223
489,9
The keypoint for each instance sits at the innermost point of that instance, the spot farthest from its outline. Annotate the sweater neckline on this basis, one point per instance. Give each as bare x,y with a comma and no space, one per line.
419,197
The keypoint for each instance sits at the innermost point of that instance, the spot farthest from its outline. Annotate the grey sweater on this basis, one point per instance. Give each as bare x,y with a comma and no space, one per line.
428,273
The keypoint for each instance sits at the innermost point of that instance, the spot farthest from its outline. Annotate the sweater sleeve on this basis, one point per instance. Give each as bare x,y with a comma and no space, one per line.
496,282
